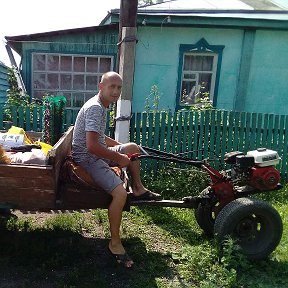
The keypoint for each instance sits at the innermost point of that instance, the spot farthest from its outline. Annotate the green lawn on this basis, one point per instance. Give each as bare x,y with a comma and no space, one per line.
168,247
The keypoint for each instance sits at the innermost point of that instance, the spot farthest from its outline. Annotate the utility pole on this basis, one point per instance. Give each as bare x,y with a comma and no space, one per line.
127,47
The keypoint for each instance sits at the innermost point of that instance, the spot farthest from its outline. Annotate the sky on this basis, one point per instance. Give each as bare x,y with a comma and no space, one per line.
19,17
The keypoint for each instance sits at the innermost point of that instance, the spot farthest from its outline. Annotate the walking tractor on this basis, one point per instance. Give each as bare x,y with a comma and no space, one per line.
223,209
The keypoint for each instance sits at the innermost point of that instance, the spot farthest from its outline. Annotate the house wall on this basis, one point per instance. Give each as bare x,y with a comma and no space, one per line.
91,43
268,84
3,83
253,70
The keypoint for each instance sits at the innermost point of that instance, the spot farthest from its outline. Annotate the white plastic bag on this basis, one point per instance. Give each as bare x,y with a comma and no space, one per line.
36,156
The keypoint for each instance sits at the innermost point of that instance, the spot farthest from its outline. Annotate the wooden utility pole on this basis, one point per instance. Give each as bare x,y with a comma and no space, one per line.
127,47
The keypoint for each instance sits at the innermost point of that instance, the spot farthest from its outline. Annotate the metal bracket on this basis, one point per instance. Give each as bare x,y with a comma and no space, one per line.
123,118
128,39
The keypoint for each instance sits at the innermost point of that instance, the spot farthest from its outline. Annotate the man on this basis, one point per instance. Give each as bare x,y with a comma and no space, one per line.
96,152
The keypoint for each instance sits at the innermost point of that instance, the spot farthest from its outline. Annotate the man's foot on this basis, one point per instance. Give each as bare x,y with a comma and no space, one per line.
122,258
146,196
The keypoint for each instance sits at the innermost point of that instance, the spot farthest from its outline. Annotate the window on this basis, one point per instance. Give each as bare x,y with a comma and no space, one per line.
200,66
74,76
198,77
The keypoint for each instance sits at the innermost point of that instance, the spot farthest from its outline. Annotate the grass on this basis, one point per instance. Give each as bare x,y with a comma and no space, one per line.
168,247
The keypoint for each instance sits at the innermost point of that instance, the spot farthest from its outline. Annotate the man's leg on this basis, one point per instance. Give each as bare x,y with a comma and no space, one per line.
134,169
115,209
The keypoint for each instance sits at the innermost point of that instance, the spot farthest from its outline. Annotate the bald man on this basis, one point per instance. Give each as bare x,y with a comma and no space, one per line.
96,153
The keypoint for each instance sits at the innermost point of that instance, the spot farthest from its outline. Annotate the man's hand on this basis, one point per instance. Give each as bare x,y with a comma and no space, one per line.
123,160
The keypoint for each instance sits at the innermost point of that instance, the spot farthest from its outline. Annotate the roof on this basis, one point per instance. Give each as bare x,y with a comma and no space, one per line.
244,13
249,9
267,5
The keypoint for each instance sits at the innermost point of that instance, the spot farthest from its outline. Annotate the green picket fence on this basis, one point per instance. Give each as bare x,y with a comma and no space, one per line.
210,134
206,134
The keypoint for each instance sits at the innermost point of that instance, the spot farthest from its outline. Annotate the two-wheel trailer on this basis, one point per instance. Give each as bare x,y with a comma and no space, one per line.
223,209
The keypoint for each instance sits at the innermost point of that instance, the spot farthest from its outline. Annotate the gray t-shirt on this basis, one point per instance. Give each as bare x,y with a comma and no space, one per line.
91,117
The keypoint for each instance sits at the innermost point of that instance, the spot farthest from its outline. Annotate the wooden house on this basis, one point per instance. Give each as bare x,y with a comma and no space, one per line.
235,52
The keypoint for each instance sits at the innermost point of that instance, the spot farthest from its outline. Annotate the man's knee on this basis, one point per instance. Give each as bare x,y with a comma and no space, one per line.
119,193
131,147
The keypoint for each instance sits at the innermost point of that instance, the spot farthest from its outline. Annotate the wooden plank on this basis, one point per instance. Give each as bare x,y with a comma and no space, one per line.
144,130
265,130
259,130
174,133
230,133
253,132
275,137
235,140
201,136
206,143
185,139
59,152
156,130
25,182
224,135
196,136
150,129
190,134
270,131
281,141
27,119
212,135
285,149
179,137
168,137
162,131
242,131
132,128
21,117
25,171
247,132
1,119
138,128
27,198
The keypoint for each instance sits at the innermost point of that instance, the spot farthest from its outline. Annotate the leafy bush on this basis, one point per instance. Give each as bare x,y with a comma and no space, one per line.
174,182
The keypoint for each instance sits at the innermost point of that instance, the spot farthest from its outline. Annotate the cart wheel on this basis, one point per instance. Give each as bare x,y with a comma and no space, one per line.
205,217
255,224
205,214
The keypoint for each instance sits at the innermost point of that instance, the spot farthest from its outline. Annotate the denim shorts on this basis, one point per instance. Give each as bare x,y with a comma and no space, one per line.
101,172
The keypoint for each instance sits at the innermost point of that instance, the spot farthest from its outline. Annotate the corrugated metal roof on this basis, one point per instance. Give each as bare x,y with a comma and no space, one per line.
201,4
245,9
267,5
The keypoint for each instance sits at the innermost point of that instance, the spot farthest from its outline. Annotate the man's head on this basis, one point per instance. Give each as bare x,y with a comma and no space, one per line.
110,88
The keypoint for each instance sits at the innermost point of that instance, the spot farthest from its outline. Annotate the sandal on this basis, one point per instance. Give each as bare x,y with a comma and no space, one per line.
148,195
122,259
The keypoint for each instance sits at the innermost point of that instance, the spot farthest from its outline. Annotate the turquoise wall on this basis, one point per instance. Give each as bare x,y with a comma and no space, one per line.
253,71
268,83
4,85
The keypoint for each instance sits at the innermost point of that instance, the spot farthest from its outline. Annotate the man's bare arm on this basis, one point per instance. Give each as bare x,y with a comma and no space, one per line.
94,147
111,142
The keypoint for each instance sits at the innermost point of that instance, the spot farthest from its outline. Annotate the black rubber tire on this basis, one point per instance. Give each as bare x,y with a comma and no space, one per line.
205,216
255,224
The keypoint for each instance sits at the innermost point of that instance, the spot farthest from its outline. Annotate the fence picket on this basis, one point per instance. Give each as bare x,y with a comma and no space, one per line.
206,134
259,130
162,131
156,130
144,129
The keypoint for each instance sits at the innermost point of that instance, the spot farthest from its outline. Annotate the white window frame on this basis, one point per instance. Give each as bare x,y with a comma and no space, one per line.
197,73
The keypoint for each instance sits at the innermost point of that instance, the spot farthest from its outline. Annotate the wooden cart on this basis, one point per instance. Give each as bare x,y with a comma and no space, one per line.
39,187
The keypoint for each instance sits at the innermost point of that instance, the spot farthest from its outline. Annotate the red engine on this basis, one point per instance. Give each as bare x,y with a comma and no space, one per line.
256,168
264,178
